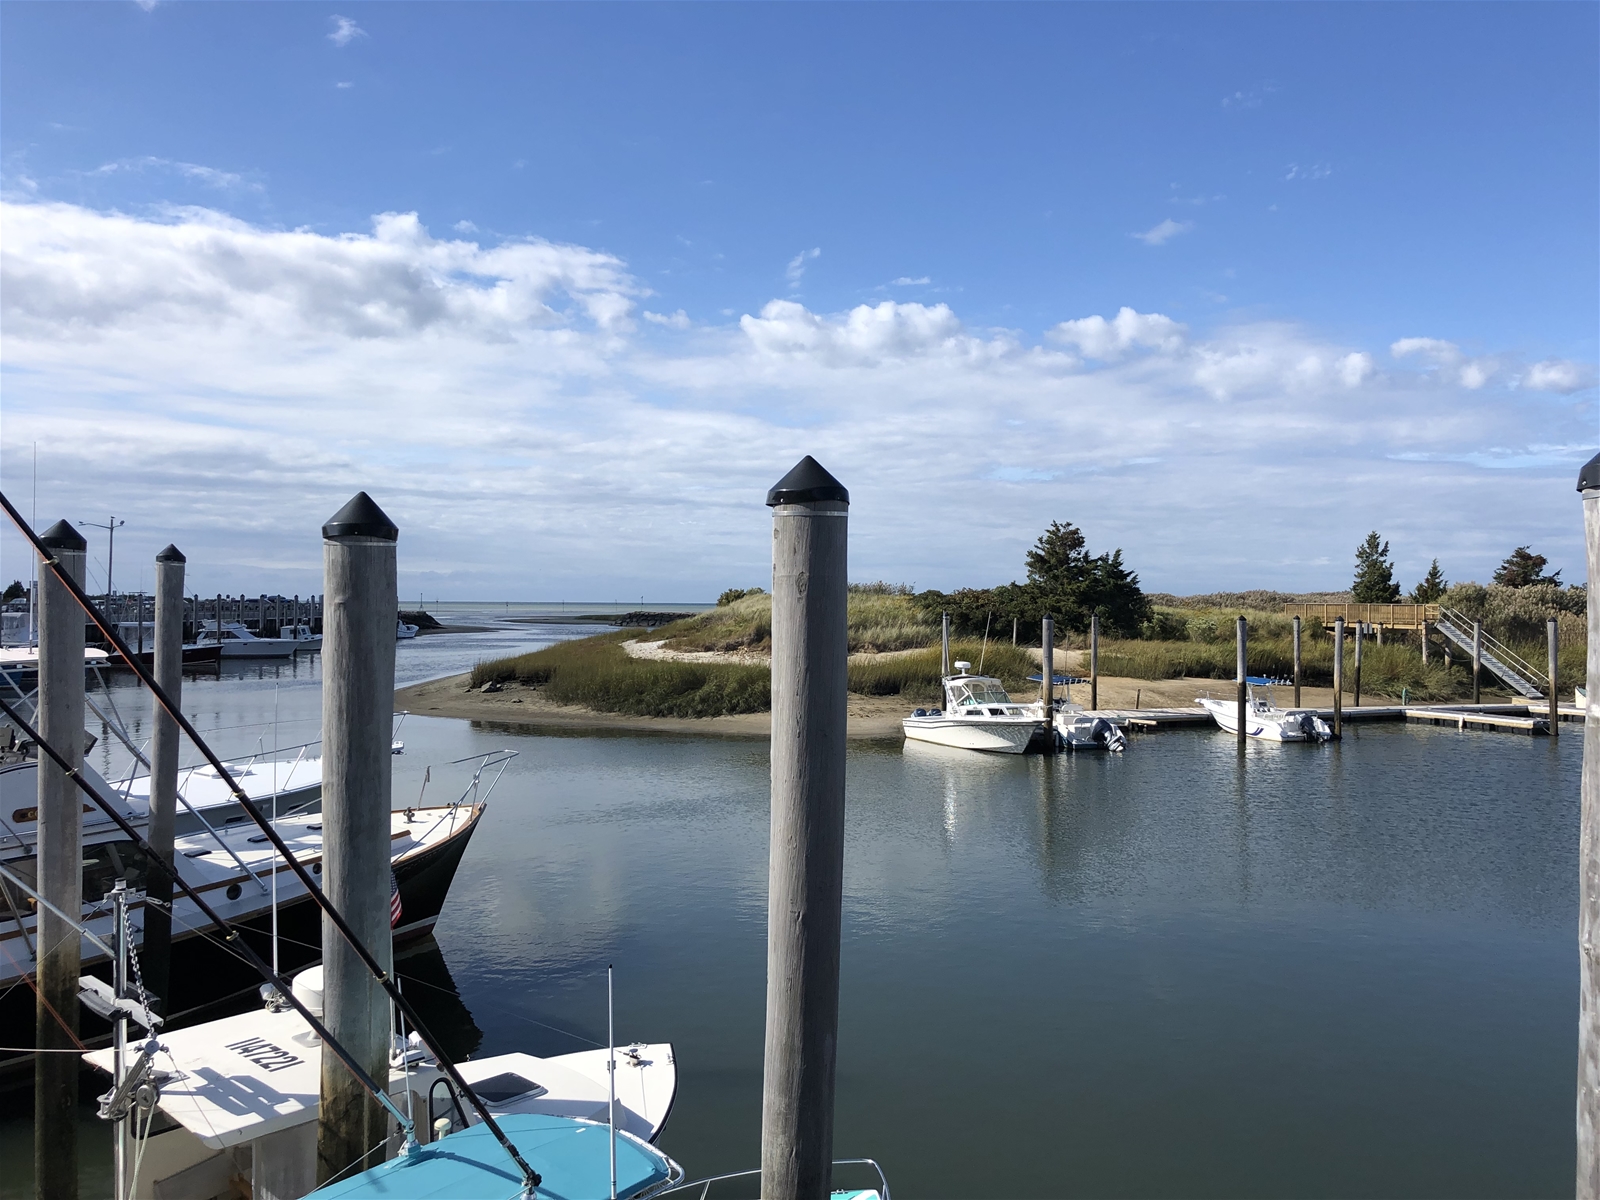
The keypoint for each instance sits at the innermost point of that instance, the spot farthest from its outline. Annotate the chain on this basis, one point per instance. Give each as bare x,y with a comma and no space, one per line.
133,957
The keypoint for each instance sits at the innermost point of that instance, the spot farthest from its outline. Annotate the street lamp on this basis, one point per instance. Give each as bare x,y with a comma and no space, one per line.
111,546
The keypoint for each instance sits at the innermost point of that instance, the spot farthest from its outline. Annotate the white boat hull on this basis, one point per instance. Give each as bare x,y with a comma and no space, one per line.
998,735
1267,724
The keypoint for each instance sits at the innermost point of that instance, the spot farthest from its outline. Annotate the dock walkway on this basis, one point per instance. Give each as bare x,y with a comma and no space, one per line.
1507,718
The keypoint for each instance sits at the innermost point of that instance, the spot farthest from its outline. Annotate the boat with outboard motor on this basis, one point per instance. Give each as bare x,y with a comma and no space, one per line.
1263,719
978,714
1077,728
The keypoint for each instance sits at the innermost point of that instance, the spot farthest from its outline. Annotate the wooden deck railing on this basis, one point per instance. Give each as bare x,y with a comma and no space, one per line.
1390,616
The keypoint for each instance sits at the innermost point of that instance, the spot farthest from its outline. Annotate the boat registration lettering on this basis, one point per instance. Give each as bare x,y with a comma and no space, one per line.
265,1055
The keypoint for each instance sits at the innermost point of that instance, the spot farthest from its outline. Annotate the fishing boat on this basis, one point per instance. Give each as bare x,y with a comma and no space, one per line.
1076,728
238,642
978,714
302,637
239,873
1263,719
402,631
239,1099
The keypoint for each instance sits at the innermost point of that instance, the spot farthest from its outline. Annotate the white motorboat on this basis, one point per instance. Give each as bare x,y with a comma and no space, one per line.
978,714
238,642
302,637
1263,719
22,662
1076,727
252,1083
402,631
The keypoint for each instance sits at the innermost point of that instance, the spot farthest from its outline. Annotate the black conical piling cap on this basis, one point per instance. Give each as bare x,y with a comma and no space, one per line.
171,555
807,482
361,518
62,536
1589,477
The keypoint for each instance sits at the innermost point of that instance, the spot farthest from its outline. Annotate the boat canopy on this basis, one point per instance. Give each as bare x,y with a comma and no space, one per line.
573,1159
971,690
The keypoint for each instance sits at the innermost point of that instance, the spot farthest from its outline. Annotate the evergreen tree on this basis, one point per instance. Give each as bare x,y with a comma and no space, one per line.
1374,582
16,591
1433,586
1522,567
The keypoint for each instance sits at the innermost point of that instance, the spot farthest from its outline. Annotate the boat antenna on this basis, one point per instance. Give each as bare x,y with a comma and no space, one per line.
611,1078
530,1177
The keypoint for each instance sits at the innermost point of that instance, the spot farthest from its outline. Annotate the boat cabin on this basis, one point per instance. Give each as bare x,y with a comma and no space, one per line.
967,695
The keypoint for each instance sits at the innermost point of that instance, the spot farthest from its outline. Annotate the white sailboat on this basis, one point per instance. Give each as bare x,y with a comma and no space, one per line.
978,714
1263,719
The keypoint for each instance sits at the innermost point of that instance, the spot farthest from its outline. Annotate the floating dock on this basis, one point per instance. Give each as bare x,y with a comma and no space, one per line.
1505,718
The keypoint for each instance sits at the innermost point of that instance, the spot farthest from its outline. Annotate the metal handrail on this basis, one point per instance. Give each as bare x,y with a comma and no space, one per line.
1460,622
705,1184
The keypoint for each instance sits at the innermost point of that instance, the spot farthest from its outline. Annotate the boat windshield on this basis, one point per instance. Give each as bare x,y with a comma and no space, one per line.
975,691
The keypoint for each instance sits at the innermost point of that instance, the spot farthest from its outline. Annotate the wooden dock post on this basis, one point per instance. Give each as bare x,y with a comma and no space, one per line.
60,872
1424,642
1588,1106
944,646
1552,637
1240,674
1094,662
358,556
1338,677
805,893
1047,666
1297,662
1361,636
168,664
1013,631
1477,658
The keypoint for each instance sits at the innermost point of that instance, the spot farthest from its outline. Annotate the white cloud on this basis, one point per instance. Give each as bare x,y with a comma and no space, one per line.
1448,361
345,31
1099,338
231,385
1435,348
147,5
907,281
210,176
796,269
1163,232
1309,171
1558,375
344,84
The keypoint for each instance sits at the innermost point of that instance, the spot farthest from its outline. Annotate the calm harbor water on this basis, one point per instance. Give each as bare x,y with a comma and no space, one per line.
1318,971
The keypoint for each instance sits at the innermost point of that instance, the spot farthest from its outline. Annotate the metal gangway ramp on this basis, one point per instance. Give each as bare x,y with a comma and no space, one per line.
1504,662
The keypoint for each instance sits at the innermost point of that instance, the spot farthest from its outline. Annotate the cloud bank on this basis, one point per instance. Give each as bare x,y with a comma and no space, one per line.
536,432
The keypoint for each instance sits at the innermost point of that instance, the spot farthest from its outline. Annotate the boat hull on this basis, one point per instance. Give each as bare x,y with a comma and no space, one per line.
993,735
1277,725
207,977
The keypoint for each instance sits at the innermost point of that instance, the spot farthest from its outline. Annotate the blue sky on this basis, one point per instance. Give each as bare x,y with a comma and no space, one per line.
660,251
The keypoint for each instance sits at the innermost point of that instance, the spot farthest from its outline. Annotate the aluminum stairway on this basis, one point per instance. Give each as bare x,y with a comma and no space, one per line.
1504,662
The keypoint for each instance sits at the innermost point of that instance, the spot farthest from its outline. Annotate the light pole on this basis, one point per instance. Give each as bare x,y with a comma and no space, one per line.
111,528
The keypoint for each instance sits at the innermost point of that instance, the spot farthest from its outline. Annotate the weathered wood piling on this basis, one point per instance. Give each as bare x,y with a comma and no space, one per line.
60,872
1241,632
1588,1097
168,672
1094,661
1338,677
359,565
1297,662
806,872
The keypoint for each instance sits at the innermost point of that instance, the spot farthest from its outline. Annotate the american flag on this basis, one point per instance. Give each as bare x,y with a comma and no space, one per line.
394,900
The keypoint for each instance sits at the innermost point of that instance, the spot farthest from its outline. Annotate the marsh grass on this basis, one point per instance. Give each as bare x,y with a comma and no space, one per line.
916,675
877,621
597,673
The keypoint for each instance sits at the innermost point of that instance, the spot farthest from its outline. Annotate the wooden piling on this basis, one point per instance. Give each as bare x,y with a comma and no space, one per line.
944,645
1361,636
806,881
1424,643
1552,638
358,555
1297,662
1094,662
1338,677
60,872
1047,666
1588,1090
1477,658
1240,675
1013,631
168,670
